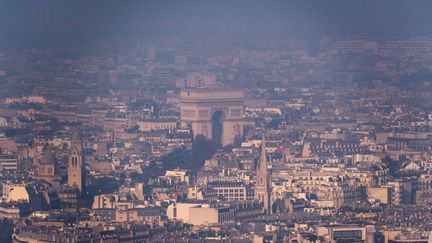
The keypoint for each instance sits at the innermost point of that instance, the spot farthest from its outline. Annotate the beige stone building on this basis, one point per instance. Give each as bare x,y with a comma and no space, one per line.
199,214
216,114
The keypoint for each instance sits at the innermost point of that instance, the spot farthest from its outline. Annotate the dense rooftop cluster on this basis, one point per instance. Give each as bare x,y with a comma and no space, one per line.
110,142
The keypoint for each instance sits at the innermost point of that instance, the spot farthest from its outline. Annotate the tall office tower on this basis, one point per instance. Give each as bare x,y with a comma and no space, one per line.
76,165
263,183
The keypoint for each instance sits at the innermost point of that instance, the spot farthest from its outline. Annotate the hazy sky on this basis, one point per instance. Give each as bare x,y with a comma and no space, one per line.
58,22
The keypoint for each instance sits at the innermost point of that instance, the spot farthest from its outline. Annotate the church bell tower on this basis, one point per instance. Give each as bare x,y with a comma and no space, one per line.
76,165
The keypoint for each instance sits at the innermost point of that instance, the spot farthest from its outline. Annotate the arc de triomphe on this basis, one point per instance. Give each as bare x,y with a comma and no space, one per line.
217,114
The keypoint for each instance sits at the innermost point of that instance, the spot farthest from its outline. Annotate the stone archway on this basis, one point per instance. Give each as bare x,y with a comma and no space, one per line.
217,120
213,112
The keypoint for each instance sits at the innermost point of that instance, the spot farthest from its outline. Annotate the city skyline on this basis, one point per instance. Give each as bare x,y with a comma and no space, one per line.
215,121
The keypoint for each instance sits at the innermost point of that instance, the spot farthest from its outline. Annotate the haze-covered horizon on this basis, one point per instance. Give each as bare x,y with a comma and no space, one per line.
50,23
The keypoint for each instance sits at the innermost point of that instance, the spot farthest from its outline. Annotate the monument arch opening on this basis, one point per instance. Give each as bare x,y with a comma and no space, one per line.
217,127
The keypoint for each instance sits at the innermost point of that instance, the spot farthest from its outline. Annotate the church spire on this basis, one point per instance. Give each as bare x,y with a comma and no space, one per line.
263,181
263,155
76,137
